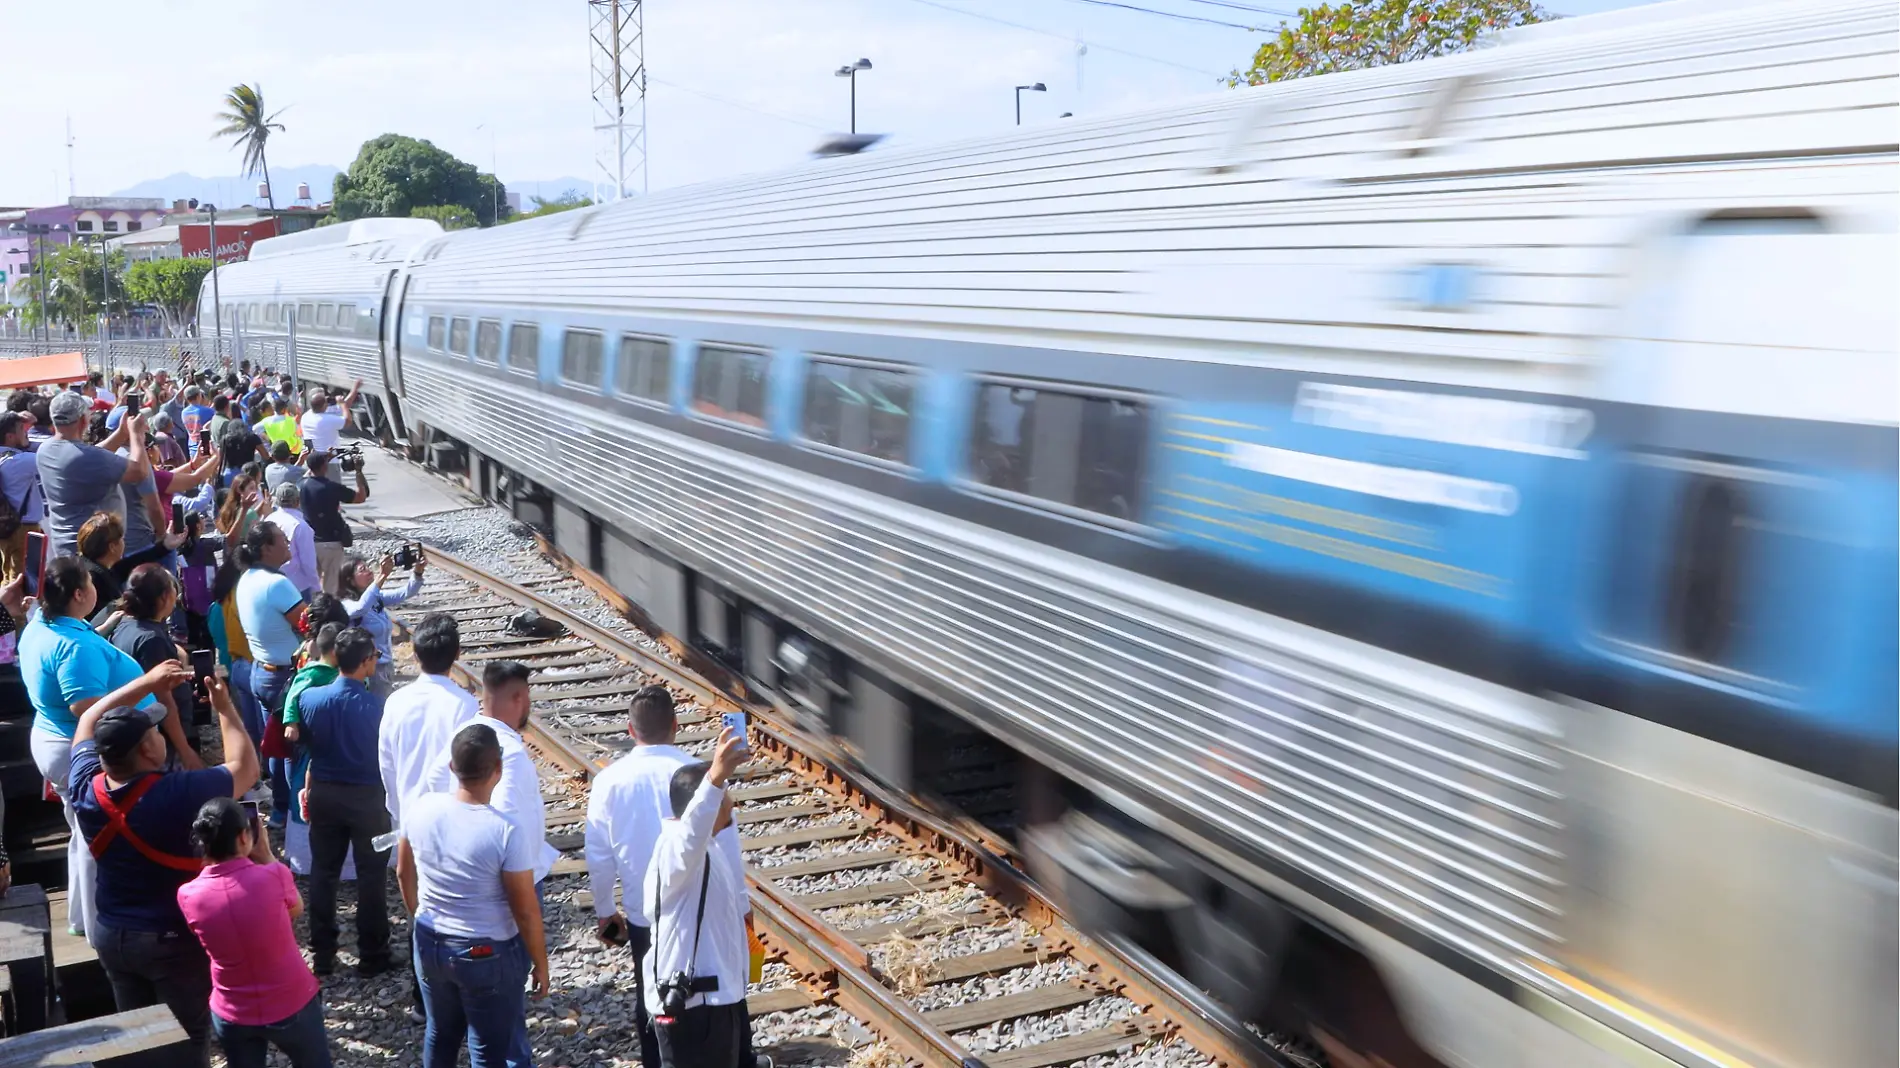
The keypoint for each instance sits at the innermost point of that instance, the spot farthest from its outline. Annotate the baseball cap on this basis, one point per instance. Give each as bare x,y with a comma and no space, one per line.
119,732
69,408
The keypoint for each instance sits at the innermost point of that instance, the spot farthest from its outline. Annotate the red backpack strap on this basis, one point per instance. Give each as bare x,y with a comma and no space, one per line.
117,826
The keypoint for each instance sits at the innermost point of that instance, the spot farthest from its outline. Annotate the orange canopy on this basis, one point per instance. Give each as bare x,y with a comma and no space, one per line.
57,369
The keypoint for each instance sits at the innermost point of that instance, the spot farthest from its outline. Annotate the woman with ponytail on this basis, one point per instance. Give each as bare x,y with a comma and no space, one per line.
241,907
146,604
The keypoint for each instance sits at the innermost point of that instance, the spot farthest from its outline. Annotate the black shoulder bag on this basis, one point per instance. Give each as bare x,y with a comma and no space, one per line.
675,989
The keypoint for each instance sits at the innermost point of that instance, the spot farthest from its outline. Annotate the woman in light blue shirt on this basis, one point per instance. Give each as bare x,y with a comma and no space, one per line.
67,667
368,605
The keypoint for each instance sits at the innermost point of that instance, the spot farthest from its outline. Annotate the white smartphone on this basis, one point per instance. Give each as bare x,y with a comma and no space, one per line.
736,722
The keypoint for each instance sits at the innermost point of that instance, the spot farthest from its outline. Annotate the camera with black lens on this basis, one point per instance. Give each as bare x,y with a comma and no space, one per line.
680,986
408,556
348,457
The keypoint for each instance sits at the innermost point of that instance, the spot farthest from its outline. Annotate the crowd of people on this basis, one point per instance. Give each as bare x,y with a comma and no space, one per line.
196,568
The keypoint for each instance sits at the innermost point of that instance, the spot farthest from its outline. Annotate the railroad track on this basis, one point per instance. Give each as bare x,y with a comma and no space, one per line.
904,918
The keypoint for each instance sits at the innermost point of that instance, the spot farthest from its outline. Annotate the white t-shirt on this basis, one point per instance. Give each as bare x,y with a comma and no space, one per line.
320,429
461,851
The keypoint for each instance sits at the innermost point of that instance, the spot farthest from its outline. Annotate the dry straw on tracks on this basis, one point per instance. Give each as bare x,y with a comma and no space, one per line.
876,1055
908,964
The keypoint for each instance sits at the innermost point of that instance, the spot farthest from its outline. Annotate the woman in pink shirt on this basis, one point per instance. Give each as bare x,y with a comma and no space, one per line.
240,907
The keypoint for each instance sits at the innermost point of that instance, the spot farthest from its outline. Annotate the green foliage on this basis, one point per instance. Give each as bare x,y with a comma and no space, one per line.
567,201
171,286
1354,34
74,287
247,124
450,216
394,175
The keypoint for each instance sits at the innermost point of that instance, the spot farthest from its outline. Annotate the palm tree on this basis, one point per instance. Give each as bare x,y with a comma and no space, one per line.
246,123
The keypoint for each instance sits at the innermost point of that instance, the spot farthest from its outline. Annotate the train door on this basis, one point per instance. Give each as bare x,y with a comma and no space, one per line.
390,352
1735,735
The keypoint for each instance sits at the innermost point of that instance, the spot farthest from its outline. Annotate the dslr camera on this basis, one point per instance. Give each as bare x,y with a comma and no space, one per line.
348,457
675,989
409,555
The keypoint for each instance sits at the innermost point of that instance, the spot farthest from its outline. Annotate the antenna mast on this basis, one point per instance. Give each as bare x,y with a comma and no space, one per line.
620,97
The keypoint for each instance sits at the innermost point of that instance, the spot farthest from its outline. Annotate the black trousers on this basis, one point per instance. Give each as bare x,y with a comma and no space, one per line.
639,940
344,817
707,1036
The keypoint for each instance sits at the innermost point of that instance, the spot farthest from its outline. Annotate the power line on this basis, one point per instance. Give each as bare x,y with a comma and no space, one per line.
714,97
1068,37
1251,9
1168,14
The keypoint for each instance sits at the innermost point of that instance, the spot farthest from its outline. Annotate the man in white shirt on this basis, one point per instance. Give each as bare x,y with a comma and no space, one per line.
627,805
695,974
505,705
419,723
322,424
302,568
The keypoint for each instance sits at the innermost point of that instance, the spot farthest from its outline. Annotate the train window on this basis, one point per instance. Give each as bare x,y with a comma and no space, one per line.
346,318
271,313
458,336
488,341
326,316
645,369
306,316
730,384
524,348
366,323
860,409
438,329
1703,610
580,358
1077,450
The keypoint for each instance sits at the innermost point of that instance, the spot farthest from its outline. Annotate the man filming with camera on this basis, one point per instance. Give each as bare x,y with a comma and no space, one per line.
695,901
323,502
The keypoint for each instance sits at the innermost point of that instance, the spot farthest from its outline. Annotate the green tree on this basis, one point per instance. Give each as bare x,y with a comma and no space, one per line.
246,123
75,287
393,175
171,286
451,216
567,201
1355,34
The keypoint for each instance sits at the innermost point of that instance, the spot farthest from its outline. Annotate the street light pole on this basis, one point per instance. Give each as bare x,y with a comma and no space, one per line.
1036,88
217,302
850,70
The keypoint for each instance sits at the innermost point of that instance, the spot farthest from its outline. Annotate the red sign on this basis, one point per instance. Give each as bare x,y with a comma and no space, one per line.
234,239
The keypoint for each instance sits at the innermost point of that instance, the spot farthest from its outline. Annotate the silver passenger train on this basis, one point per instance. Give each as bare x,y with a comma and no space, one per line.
1428,533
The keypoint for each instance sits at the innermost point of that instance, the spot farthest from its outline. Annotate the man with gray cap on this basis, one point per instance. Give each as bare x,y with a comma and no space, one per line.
288,517
137,817
78,479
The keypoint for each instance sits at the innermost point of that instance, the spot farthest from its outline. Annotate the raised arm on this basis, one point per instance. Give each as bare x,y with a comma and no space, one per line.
240,756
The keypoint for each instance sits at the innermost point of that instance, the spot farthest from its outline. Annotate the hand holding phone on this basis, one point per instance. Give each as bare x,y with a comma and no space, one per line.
178,518
35,563
736,723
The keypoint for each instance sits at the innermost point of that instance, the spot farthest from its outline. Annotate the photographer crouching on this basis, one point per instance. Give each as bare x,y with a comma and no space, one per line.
323,502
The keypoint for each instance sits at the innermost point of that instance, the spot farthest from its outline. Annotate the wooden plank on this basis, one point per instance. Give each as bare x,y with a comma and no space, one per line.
1021,955
1119,1036
784,999
742,796
869,858
1042,999
919,926
544,649
617,669
783,812
879,890
541,693
805,835
72,1045
68,948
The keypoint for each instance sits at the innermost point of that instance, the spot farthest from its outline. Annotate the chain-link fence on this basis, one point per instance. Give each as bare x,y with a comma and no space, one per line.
174,354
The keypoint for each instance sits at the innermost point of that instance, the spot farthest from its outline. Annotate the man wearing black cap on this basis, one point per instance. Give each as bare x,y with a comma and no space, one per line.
137,819
79,479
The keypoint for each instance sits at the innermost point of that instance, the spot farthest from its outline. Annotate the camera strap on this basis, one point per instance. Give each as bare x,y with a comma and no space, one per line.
699,918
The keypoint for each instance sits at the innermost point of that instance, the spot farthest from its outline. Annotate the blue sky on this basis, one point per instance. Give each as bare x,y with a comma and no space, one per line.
737,85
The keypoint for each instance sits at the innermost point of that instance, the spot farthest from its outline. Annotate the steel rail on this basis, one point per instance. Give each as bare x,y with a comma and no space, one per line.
813,946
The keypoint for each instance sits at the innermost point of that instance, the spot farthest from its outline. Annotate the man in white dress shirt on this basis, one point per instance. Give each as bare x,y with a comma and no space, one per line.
694,901
627,805
505,705
301,569
419,723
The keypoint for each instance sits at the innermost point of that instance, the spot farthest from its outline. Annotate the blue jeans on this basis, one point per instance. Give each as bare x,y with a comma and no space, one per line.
477,987
248,709
270,685
300,1036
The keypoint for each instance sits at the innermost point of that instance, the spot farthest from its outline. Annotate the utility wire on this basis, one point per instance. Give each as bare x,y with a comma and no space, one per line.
1168,14
736,104
1068,37
1249,8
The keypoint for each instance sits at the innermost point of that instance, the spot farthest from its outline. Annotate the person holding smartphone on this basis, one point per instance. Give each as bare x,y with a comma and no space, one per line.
240,908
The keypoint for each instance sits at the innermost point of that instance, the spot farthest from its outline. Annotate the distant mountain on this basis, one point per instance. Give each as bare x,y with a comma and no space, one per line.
232,191
235,191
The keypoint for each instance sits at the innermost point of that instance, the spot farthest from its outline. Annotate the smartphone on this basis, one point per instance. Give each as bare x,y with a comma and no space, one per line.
735,722
204,664
35,562
178,518
133,404
409,555
250,810
204,441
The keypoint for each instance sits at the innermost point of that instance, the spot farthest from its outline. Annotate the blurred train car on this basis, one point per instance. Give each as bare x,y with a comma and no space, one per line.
1429,532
